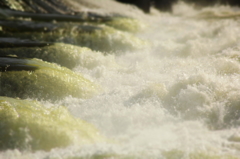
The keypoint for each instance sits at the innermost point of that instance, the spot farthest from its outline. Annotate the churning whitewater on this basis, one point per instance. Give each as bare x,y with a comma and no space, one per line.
176,97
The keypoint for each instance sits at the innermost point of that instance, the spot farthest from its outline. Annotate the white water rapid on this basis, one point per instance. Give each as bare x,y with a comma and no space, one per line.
178,97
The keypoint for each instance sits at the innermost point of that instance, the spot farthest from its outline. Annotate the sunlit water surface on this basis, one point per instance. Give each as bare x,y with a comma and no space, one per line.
177,97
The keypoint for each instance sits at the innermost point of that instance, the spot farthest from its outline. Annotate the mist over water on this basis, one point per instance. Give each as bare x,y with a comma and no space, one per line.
180,92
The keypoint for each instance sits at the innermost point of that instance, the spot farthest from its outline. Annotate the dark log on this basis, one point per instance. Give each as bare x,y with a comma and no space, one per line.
8,63
64,8
30,6
81,17
15,42
43,27
38,6
16,26
48,7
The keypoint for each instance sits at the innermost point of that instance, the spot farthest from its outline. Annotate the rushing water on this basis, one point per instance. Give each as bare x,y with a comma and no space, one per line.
177,97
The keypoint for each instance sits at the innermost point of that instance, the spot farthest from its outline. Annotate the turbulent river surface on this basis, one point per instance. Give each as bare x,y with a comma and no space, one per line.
178,96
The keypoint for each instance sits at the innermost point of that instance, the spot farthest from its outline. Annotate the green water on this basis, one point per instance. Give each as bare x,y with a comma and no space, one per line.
37,84
28,125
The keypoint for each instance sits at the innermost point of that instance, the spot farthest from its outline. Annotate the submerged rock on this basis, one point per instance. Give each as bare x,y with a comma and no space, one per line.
48,81
29,125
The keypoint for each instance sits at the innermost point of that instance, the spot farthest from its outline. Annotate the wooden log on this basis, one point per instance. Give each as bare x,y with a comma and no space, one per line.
48,7
84,17
61,6
32,7
15,64
28,26
15,42
32,26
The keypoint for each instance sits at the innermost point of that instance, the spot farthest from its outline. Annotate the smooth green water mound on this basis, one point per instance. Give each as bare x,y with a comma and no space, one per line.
109,39
63,54
29,125
49,81
126,24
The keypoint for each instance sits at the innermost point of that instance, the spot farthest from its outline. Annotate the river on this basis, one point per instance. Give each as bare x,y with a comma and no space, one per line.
176,97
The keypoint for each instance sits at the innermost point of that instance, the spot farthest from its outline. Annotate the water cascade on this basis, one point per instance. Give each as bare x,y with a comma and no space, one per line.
120,84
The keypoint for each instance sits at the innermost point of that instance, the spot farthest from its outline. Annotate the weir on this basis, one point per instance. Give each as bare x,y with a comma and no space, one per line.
101,79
